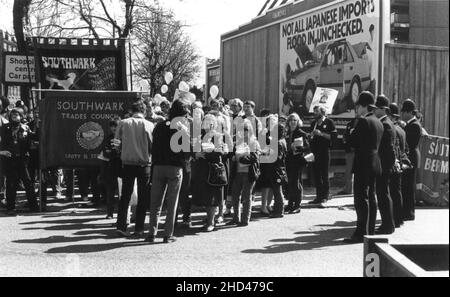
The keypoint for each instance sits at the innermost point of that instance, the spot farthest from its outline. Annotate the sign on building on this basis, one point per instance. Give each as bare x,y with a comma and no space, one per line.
19,69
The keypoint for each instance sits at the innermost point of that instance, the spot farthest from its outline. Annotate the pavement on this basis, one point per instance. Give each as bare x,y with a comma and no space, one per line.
79,242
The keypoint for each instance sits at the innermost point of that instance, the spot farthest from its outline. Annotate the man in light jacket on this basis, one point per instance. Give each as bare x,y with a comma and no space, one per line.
135,137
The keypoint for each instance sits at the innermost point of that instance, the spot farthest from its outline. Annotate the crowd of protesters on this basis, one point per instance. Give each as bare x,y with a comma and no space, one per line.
214,156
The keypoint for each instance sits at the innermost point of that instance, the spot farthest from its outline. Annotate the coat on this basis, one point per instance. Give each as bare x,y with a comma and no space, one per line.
413,135
297,160
387,146
366,140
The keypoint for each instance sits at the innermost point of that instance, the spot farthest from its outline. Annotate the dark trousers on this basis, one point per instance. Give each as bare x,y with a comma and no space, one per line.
108,181
295,185
365,204
86,178
395,187
68,181
16,170
185,201
129,175
409,185
321,173
278,208
385,202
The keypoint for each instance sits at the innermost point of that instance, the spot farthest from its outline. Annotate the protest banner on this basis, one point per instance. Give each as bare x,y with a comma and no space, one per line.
81,67
433,178
75,124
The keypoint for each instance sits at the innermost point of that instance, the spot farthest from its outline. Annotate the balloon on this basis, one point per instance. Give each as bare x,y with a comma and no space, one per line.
214,92
192,98
183,86
158,99
164,89
168,77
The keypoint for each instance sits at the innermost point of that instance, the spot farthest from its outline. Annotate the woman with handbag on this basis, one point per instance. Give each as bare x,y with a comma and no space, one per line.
297,145
209,174
245,174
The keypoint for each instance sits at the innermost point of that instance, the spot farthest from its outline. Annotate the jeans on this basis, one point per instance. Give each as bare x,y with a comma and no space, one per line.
295,186
166,185
130,174
16,169
185,201
242,191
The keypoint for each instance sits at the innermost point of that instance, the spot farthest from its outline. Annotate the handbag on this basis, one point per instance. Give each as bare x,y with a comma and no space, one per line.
217,175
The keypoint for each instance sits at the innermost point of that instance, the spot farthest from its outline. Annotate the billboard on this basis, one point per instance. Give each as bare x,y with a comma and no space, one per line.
75,124
79,68
336,47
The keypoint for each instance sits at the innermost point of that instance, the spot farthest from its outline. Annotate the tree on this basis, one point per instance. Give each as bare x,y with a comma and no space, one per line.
164,46
20,12
86,18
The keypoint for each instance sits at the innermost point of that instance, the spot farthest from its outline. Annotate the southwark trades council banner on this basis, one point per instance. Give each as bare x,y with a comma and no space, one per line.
74,125
433,178
75,68
335,47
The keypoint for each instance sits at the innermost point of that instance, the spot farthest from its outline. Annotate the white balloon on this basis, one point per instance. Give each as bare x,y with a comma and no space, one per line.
168,77
192,98
183,86
214,92
158,99
164,89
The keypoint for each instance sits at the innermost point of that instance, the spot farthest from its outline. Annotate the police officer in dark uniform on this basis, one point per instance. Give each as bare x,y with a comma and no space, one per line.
395,186
388,158
323,134
366,139
413,131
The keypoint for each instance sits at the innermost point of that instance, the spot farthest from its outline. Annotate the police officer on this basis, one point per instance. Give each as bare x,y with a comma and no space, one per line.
366,139
322,136
388,158
395,186
413,131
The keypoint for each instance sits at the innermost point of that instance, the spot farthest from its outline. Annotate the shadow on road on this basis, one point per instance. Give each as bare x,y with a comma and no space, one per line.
322,236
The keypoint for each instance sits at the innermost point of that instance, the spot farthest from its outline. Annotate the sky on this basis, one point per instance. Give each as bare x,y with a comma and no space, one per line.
207,20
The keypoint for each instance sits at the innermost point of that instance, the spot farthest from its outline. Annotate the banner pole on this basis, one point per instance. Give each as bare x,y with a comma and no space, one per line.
40,190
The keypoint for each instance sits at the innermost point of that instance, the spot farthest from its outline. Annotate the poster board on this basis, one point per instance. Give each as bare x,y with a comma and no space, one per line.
324,97
336,47
74,125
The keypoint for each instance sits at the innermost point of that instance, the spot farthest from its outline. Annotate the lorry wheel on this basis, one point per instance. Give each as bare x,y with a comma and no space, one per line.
355,90
308,95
